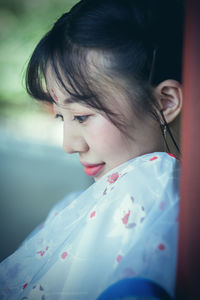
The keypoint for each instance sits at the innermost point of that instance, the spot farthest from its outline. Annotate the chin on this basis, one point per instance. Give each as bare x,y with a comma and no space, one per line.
100,174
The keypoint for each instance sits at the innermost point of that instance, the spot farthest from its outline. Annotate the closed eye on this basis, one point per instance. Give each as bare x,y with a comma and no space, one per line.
81,119
59,116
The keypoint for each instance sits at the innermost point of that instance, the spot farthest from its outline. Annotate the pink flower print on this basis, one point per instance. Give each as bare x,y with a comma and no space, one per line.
42,252
161,247
119,258
93,214
112,178
127,215
25,285
125,218
133,213
64,255
153,158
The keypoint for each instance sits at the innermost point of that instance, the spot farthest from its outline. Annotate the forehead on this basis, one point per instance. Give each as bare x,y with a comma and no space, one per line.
52,83
58,93
110,91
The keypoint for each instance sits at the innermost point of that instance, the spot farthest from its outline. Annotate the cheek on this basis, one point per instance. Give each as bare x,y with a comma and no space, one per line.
104,137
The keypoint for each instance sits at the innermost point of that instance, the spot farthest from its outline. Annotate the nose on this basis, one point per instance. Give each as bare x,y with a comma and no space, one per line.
73,140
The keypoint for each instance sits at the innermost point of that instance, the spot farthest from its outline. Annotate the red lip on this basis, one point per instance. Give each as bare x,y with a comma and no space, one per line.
92,169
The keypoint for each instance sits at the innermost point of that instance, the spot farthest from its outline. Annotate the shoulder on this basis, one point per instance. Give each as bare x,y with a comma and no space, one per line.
146,171
60,205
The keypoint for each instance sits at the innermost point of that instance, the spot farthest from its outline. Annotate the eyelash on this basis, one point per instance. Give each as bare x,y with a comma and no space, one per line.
80,119
58,116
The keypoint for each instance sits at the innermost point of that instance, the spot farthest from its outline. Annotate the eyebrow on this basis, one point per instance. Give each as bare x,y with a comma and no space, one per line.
69,100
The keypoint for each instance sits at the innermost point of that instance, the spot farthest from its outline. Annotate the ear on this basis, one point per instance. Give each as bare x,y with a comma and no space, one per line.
170,98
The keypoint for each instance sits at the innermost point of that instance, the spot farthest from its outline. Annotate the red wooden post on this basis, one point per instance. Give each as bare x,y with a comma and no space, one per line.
188,271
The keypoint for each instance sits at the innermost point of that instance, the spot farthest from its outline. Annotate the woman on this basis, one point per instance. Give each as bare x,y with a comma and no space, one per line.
112,70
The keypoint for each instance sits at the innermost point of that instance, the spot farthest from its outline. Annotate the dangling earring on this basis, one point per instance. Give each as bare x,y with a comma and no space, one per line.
165,128
164,133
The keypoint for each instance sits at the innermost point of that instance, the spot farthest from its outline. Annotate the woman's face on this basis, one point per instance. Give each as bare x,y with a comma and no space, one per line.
100,144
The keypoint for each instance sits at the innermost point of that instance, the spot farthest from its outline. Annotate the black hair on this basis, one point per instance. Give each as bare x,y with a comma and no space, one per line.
140,39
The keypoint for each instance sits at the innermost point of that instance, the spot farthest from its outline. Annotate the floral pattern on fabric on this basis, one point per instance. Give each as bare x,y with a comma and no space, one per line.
128,215
124,225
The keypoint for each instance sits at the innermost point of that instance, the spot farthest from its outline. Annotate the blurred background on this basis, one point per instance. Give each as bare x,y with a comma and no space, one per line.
34,170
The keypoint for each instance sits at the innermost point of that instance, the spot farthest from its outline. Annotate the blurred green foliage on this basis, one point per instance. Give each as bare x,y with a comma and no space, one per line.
22,24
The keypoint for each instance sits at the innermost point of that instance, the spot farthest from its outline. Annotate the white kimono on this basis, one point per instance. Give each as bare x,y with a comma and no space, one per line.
122,226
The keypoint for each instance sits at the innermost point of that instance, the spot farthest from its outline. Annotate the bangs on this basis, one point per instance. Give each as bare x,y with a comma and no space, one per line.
93,76
87,75
69,65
